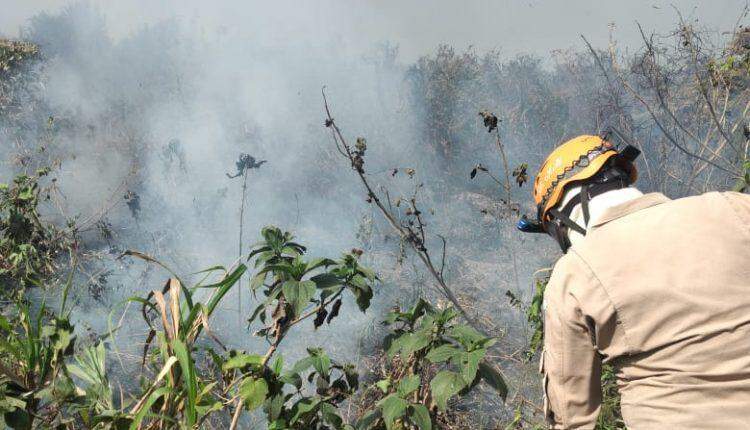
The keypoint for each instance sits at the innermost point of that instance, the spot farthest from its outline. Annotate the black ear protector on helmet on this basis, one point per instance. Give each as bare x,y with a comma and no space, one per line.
612,176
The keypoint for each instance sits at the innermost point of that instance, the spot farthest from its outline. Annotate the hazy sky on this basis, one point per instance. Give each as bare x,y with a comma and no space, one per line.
537,26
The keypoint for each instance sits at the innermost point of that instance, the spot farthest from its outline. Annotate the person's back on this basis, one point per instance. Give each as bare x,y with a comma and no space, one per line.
661,288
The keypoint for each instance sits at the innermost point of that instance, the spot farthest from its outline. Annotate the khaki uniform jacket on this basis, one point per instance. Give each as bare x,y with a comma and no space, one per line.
660,288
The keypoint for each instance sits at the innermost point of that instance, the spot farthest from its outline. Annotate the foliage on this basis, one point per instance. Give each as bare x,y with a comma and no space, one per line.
610,417
296,289
434,358
33,354
28,246
185,394
535,317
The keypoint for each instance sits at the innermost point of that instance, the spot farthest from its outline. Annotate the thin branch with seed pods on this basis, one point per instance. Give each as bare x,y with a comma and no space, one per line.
408,233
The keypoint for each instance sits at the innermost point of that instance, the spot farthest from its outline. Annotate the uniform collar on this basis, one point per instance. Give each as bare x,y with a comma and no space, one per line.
619,211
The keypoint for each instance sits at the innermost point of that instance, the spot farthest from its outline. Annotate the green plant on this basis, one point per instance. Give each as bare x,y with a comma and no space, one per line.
180,394
743,183
184,394
32,363
28,246
434,358
535,317
296,289
610,416
95,405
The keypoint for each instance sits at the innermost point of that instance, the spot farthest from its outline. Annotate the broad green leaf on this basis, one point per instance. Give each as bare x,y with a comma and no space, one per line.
302,407
369,420
468,362
319,262
363,296
241,360
445,385
368,273
274,406
279,424
384,384
320,361
292,379
18,419
258,280
393,408
326,280
331,416
408,384
253,392
420,416
298,294
414,342
467,336
442,353
302,365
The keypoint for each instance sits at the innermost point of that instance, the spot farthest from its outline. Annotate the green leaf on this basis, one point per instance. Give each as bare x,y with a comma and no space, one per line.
442,353
241,360
256,312
278,425
468,362
146,407
302,365
493,379
384,384
320,361
393,408
369,420
420,416
363,296
368,273
253,392
278,364
414,342
258,280
319,262
302,407
331,416
467,336
326,280
187,366
298,294
445,385
408,384
18,420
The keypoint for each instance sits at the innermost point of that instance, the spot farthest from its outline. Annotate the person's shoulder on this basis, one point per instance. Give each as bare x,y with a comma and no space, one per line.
571,272
718,201
713,196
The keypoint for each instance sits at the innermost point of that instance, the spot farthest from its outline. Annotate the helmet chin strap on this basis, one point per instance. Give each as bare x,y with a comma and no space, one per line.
562,223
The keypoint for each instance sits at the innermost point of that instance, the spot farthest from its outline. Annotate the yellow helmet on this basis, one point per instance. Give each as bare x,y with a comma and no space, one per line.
590,161
573,161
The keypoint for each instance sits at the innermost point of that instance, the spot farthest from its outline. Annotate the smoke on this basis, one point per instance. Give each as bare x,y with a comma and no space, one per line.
149,127
148,122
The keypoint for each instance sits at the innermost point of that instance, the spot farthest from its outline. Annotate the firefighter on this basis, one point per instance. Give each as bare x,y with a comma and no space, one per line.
659,288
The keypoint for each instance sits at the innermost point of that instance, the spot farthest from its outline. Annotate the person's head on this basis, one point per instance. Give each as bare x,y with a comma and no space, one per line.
587,162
